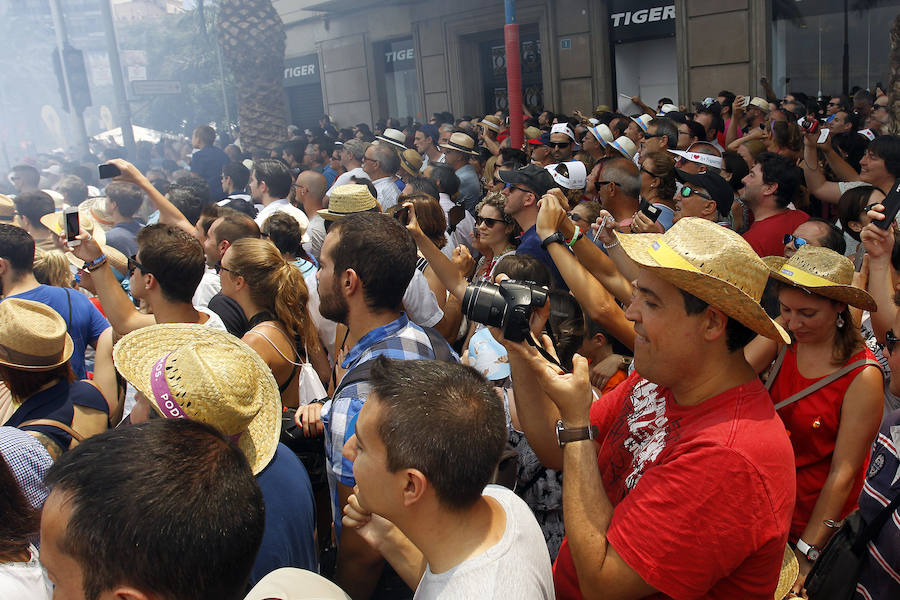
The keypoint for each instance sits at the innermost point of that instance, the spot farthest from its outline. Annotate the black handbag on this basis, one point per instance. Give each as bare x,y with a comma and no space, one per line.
834,575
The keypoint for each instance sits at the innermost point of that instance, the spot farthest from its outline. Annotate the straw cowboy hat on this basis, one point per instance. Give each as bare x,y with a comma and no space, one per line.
460,142
347,200
714,264
55,222
411,162
393,137
625,146
192,371
823,272
94,209
32,336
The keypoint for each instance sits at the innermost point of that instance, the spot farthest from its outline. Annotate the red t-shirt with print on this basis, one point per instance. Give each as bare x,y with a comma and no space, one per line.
702,495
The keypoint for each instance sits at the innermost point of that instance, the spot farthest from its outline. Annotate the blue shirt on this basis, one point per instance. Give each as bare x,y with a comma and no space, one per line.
207,163
289,534
666,217
469,187
57,403
123,237
530,244
330,175
84,322
404,341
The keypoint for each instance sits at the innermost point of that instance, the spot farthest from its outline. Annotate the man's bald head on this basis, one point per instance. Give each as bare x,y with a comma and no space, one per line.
315,183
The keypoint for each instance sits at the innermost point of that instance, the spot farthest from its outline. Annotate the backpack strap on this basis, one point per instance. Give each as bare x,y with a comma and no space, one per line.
52,423
826,380
773,372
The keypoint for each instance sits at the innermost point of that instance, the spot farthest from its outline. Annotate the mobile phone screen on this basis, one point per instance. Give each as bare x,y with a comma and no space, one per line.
108,171
71,225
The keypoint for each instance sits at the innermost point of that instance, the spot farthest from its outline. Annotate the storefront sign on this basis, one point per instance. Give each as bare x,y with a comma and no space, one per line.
631,20
399,55
301,70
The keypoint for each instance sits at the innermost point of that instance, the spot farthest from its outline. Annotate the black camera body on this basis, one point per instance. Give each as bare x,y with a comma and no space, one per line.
507,305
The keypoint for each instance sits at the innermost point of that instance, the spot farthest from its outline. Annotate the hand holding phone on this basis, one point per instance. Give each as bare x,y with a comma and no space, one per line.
891,206
108,171
650,211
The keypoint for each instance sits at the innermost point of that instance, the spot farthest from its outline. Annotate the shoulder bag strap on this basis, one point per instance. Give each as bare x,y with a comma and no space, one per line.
826,380
773,372
59,425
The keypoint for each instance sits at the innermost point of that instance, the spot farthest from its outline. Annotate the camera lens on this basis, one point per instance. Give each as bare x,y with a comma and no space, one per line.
484,304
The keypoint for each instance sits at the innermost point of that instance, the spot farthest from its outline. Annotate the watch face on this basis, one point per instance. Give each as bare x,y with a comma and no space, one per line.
813,554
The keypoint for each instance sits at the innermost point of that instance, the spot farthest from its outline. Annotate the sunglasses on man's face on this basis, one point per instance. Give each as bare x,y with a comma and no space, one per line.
134,264
558,144
687,191
796,241
890,341
650,136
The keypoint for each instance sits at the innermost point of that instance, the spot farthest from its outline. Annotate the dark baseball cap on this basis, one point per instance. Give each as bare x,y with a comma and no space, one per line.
543,140
718,189
535,178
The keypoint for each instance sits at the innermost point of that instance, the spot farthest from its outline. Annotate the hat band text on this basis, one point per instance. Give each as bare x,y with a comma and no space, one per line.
162,395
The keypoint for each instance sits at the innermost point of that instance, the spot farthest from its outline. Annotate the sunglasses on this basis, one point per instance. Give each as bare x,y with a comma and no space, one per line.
510,186
797,241
558,144
604,182
575,217
134,264
487,221
890,341
649,136
687,191
643,170
220,267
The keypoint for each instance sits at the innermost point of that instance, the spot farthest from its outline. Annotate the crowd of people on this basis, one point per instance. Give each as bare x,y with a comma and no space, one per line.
642,355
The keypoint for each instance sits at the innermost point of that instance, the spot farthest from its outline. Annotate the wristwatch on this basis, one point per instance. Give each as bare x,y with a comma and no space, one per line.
553,238
810,552
564,434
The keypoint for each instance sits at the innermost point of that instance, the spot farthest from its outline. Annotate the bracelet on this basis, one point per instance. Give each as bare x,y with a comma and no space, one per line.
613,245
90,265
575,237
95,264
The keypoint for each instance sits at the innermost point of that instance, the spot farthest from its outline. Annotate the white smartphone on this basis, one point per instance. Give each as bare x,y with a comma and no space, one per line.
72,226
599,229
823,135
746,102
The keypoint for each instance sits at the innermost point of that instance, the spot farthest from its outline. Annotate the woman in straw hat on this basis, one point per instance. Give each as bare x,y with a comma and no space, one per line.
827,388
44,397
273,295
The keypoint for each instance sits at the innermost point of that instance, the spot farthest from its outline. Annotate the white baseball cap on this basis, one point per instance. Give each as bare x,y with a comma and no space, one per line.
563,128
571,175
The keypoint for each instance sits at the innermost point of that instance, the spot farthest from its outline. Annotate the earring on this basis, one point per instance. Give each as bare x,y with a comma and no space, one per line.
840,321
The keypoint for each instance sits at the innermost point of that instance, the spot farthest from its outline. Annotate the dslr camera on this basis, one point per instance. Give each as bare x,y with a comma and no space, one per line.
506,305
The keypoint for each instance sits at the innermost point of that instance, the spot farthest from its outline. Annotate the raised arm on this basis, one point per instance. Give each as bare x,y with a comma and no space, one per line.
737,112
168,213
826,191
879,244
445,270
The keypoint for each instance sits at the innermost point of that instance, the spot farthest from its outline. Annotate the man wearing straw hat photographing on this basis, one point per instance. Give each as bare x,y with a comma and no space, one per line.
680,481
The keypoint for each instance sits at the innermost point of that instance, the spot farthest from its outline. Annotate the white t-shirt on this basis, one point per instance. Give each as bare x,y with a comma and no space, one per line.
209,286
25,580
282,205
518,566
214,321
463,233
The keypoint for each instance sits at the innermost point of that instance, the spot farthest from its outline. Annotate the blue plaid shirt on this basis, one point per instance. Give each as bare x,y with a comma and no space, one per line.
405,341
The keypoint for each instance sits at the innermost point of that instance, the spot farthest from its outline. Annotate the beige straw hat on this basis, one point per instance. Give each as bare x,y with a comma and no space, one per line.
32,336
347,200
493,123
94,209
790,569
460,142
291,583
714,264
196,372
411,162
55,222
823,272
7,208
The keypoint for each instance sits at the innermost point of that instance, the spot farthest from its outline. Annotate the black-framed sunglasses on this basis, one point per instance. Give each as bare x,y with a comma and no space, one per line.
649,136
558,144
643,170
890,341
796,241
575,217
134,264
687,190
511,186
605,182
220,267
487,221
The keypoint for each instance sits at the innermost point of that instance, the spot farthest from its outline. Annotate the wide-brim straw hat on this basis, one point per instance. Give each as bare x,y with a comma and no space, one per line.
33,336
790,569
823,272
347,200
713,263
393,137
95,210
204,374
411,162
460,142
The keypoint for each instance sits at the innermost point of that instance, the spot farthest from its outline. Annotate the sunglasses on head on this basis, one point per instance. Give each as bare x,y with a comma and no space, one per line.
890,341
797,241
558,144
487,221
687,191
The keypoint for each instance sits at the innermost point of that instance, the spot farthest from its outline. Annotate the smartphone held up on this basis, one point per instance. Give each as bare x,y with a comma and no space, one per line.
72,227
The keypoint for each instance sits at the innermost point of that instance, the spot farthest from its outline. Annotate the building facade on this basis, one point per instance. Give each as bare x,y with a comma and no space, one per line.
365,60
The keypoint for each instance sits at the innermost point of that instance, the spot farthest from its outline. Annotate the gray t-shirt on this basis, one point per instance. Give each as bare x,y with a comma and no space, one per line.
518,566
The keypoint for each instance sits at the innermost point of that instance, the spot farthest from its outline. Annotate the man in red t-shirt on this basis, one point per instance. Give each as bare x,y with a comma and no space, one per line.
687,487
770,187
